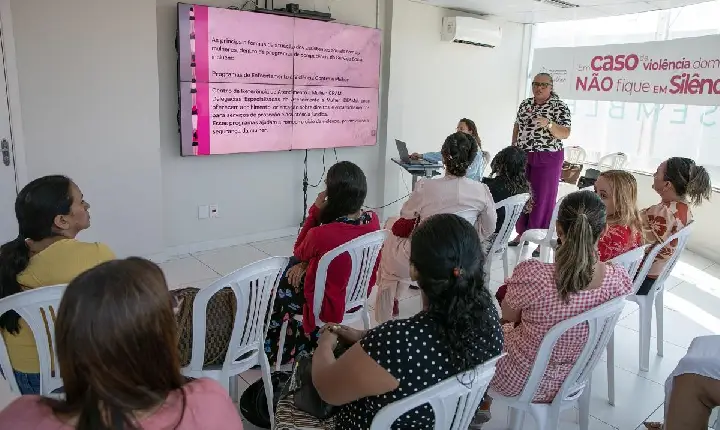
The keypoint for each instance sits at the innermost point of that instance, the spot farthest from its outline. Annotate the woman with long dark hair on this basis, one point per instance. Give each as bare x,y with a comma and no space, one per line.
50,212
117,351
508,178
335,218
452,193
457,330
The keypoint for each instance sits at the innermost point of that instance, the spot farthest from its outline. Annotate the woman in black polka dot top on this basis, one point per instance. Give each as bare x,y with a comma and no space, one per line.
457,329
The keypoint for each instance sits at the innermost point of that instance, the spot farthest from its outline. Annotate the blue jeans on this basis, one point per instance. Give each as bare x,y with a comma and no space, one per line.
29,383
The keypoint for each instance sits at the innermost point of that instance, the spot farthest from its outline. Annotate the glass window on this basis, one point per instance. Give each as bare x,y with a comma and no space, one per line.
647,133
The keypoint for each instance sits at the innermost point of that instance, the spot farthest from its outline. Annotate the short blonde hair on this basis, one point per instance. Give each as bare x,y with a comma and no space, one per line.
624,198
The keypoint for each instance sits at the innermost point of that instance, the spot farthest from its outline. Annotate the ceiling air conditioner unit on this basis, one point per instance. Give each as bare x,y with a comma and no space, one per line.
472,31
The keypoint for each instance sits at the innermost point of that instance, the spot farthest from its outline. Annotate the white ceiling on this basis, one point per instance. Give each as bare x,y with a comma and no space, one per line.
533,11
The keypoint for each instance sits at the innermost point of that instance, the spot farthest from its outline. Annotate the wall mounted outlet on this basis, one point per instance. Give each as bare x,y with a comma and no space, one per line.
203,212
214,212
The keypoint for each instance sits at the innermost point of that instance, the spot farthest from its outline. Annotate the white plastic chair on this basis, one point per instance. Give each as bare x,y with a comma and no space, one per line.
469,215
576,388
254,286
38,307
575,155
363,252
454,400
514,207
614,161
631,261
655,294
545,238
487,158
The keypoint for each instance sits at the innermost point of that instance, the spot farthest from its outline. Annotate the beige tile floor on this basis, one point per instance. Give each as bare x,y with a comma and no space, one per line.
692,303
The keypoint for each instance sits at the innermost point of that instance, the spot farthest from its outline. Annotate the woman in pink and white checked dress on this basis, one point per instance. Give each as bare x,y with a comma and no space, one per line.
540,295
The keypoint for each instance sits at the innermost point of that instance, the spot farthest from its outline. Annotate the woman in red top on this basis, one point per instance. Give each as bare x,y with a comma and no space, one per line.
335,219
618,190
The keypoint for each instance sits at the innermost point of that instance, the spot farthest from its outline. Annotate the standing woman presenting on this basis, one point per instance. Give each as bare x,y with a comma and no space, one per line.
543,122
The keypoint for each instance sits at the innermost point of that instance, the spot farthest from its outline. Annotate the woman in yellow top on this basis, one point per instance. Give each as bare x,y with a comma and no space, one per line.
50,213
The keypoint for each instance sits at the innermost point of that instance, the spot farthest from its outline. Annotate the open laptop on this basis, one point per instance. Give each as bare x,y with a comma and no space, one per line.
405,155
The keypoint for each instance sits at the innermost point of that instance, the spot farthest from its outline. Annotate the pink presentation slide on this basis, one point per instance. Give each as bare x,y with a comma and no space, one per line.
244,117
249,47
336,55
254,82
329,117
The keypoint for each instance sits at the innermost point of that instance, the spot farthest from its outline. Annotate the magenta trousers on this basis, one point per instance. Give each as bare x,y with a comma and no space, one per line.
543,171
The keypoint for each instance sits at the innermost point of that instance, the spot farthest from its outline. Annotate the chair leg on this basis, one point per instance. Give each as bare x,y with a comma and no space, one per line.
659,321
488,270
506,263
233,388
645,315
267,383
516,419
520,251
584,406
611,369
283,334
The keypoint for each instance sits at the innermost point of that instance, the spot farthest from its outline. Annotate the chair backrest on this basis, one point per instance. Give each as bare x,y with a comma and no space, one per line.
514,207
601,322
363,253
487,158
575,155
681,237
454,400
38,307
616,160
470,215
631,260
552,233
254,286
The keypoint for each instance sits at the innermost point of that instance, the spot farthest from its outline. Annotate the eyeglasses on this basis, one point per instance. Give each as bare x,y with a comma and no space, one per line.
541,84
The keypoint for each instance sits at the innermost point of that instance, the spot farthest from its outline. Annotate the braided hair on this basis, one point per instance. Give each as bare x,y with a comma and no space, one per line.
459,152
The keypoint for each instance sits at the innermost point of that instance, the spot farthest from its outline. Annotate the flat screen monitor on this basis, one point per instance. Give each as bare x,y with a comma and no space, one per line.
252,82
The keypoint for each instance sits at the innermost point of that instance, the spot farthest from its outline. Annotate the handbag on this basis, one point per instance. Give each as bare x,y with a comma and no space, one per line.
305,396
589,178
253,402
218,324
571,172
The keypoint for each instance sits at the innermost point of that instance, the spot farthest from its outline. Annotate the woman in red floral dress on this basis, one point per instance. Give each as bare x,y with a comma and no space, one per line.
680,183
618,190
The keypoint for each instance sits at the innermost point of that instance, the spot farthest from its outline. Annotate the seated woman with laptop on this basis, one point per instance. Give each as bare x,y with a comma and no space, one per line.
475,171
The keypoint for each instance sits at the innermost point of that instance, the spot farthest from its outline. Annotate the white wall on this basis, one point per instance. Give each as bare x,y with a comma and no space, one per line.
258,195
433,84
88,92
